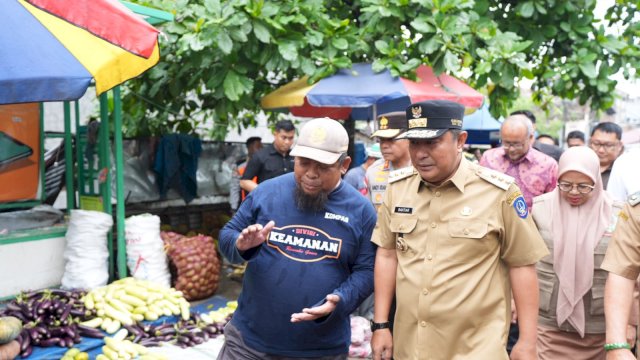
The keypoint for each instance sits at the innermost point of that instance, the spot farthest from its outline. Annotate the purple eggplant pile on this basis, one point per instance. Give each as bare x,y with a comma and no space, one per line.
50,317
182,334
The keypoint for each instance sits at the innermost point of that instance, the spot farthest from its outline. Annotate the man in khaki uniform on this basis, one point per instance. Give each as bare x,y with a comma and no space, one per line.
623,263
395,154
453,239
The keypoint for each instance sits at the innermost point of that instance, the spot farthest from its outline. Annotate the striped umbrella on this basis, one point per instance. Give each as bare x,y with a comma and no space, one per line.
51,50
361,93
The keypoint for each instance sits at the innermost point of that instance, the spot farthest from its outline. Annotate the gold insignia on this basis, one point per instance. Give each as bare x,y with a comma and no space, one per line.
456,122
416,111
400,174
401,245
513,197
623,215
491,176
318,136
414,123
384,123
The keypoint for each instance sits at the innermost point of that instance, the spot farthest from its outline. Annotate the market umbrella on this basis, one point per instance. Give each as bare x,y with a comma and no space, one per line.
52,49
361,93
482,127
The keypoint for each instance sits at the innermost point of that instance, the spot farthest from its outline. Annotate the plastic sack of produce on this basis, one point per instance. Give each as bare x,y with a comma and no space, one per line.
146,258
86,252
196,263
360,338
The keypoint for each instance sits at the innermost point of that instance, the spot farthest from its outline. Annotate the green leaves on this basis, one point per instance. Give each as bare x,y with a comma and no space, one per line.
235,85
526,9
224,42
261,32
224,56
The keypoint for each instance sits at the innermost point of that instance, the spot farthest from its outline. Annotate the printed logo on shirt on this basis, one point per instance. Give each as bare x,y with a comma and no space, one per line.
403,210
304,243
332,216
521,207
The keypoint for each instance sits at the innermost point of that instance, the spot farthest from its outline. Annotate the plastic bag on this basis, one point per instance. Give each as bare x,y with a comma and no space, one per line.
146,258
86,252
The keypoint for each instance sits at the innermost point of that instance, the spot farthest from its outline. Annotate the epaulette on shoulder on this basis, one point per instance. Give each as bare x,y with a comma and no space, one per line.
634,199
494,177
400,174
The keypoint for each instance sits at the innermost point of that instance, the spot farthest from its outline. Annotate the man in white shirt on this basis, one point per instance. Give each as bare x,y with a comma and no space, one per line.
625,175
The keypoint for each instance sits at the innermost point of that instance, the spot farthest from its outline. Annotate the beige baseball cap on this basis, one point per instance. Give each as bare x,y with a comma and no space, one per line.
322,140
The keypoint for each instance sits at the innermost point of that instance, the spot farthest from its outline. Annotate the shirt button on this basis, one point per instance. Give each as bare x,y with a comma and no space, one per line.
437,194
425,292
466,231
423,323
429,257
401,227
433,225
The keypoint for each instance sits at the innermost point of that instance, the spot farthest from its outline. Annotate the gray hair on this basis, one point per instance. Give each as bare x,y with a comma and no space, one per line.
519,119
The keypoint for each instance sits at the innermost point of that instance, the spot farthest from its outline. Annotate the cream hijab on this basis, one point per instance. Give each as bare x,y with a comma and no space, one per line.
577,230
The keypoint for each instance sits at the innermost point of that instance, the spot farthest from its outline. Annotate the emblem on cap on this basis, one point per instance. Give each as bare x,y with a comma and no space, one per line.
384,123
414,123
456,122
416,111
318,136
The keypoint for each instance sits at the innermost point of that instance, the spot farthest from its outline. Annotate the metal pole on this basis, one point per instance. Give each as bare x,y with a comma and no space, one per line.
68,158
105,165
118,149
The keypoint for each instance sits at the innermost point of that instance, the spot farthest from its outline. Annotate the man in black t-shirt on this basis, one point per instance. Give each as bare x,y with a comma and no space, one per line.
273,160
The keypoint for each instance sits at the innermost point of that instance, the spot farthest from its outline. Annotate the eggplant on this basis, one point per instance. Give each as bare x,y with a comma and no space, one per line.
149,343
26,342
165,331
13,307
136,339
132,329
49,342
27,352
205,336
90,332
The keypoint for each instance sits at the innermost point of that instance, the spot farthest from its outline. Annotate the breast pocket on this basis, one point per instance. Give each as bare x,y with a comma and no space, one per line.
407,239
467,241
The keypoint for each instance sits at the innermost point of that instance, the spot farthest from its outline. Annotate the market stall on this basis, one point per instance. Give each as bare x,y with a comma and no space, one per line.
54,51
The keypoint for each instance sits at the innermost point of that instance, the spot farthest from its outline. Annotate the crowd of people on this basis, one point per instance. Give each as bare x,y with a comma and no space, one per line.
531,252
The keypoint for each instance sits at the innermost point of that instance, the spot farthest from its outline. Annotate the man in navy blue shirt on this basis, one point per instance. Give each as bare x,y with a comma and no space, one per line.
306,238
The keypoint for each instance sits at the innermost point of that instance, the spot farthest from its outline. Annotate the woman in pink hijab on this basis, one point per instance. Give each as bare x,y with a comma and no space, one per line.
576,221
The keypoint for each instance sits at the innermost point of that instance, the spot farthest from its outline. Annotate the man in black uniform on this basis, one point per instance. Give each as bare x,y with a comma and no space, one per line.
273,160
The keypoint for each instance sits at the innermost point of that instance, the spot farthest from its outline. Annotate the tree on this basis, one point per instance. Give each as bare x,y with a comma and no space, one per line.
219,58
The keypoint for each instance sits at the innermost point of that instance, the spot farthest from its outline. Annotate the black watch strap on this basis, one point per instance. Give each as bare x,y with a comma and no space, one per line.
377,326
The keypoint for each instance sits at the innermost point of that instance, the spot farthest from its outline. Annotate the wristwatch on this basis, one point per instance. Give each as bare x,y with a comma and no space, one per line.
377,326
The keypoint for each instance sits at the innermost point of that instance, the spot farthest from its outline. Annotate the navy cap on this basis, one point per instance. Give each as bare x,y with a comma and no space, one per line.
390,124
430,119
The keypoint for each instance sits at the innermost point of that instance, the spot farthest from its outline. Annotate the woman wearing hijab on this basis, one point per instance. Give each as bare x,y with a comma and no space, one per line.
576,221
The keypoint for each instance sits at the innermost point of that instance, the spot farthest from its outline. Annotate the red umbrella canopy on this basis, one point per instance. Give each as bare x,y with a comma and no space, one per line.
361,93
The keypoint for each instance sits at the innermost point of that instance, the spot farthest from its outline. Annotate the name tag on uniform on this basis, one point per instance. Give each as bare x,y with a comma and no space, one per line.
403,210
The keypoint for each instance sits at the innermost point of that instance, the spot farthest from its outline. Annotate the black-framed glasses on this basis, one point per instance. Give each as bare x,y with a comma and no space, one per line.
582,188
595,145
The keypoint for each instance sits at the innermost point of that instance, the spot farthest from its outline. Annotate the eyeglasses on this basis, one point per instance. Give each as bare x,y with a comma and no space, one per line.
595,145
517,146
582,188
